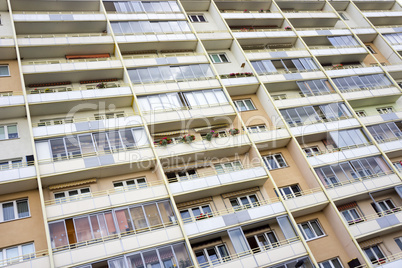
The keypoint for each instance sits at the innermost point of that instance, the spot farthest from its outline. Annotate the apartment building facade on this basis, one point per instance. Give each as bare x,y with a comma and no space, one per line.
198,133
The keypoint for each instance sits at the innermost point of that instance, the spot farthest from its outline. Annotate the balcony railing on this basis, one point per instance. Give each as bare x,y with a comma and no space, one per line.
275,50
375,216
63,35
364,88
258,30
347,182
334,150
16,165
253,251
230,210
55,89
10,93
56,12
236,75
24,258
326,120
389,259
289,71
185,108
175,81
334,47
212,173
58,60
77,120
117,190
302,193
162,55
154,33
114,236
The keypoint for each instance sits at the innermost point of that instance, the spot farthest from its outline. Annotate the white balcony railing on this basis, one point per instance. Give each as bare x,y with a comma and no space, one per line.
270,134
17,171
36,259
305,199
323,125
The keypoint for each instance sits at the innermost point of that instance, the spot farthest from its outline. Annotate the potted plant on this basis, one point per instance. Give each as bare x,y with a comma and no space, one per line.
288,28
211,135
245,11
101,85
261,10
203,216
188,138
35,91
48,90
234,131
165,141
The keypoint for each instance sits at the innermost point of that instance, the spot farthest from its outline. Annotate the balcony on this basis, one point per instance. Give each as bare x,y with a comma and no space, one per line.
145,60
64,39
392,144
19,176
63,65
68,206
69,126
213,183
111,245
291,74
12,105
322,31
362,185
57,16
7,48
391,261
248,33
276,53
169,15
280,251
311,99
37,259
312,18
347,70
376,118
384,17
270,135
323,125
304,201
238,81
370,95
342,154
340,54
376,223
361,31
230,15
214,36
225,218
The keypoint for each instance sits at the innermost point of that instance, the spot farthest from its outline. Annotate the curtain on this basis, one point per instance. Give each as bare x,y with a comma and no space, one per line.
8,211
22,208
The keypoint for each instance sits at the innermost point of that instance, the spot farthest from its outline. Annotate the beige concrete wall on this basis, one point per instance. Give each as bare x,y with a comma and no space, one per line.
19,147
12,82
387,242
365,205
328,246
254,117
379,56
24,230
5,26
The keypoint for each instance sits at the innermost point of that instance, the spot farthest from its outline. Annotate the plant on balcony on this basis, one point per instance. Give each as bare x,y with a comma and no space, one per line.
48,90
288,28
211,135
337,65
261,10
101,85
234,131
35,91
165,141
188,138
245,11
203,216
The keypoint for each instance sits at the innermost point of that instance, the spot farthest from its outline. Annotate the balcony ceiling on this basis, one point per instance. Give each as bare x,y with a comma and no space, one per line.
274,144
380,100
217,44
195,6
98,172
60,27
12,112
265,41
242,89
60,51
54,5
3,5
313,22
301,5
7,53
18,186
309,210
384,21
242,5
255,22
341,58
374,5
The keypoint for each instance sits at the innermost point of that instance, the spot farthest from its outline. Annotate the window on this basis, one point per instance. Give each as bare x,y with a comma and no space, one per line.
290,191
72,195
10,164
375,254
244,202
219,58
256,129
387,131
13,210
197,18
351,83
199,213
398,241
181,175
334,263
310,151
398,165
314,87
343,16
385,206
17,253
279,97
8,132
228,167
370,49
352,215
361,113
161,27
109,115
144,6
212,255
343,41
311,229
394,39
263,241
275,161
130,184
244,105
4,71
385,110
287,65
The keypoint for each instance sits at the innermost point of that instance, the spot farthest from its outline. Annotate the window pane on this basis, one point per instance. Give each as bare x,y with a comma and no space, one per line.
22,208
8,211
82,229
317,228
12,132
152,214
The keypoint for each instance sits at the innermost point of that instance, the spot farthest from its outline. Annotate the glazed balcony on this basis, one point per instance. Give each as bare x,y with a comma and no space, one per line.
278,252
84,203
391,144
342,154
372,118
153,59
339,70
57,16
108,246
362,185
361,95
291,74
36,259
311,99
376,223
203,184
162,15
72,125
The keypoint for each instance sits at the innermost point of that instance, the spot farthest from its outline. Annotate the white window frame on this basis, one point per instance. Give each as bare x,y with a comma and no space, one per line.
311,151
354,220
198,18
6,132
279,97
16,216
68,197
183,178
8,70
258,128
293,193
244,103
228,166
361,113
384,202
192,215
398,241
316,236
330,262
373,252
270,243
11,163
20,258
55,121
220,56
126,184
244,206
217,261
276,161
385,110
